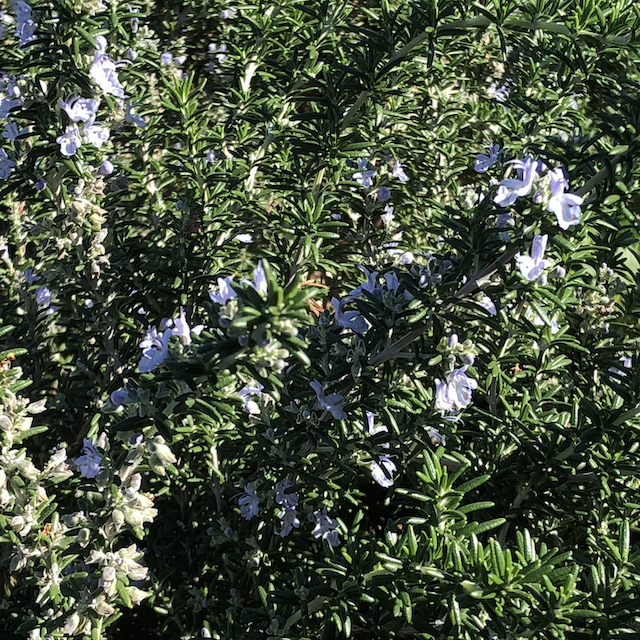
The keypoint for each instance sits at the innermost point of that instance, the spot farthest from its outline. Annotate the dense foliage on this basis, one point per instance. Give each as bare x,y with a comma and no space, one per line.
328,315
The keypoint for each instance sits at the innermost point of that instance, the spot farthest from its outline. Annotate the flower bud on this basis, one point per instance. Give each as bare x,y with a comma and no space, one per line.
118,517
106,168
135,482
72,623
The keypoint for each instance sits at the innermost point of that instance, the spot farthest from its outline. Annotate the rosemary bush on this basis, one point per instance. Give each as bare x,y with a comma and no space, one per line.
328,315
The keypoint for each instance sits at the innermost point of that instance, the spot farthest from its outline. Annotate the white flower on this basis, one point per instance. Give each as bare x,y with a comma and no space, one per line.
455,393
484,162
510,188
89,463
155,348
566,206
384,479
248,502
6,165
532,268
225,292
70,142
326,528
398,172
331,403
80,109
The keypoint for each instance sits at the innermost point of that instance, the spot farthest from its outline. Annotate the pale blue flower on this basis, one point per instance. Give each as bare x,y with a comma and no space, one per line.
488,305
210,157
484,162
25,26
225,291
331,403
627,363
505,221
499,94
6,165
43,297
370,285
387,217
122,397
130,116
532,267
30,276
259,279
511,188
349,319
383,475
398,172
566,206
166,58
249,405
455,393
7,104
182,329
288,499
326,528
436,437
229,13
70,142
89,463
248,502
11,131
288,520
371,426
155,347
80,109
103,71
364,177
96,134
